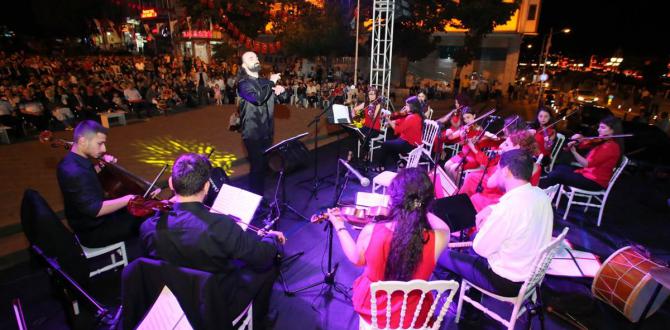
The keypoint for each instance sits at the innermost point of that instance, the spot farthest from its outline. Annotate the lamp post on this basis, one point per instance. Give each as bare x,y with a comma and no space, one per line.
546,44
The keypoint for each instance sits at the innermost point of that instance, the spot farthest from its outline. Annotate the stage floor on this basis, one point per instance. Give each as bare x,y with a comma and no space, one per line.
630,218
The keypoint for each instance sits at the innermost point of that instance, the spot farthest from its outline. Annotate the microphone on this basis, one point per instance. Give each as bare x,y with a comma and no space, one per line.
363,180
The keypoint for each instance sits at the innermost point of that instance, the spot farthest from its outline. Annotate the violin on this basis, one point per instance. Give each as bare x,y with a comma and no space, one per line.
356,215
592,141
142,207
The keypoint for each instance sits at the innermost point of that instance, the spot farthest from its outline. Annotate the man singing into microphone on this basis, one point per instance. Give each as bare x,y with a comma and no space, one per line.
256,116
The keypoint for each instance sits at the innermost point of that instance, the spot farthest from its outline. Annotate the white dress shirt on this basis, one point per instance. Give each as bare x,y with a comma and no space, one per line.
518,227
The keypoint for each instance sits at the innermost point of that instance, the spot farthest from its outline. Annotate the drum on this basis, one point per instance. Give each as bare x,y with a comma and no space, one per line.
288,157
624,282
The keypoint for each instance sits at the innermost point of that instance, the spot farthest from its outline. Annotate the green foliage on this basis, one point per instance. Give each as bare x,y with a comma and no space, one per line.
315,32
480,17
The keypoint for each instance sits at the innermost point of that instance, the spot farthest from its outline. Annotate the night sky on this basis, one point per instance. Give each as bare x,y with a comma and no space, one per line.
638,27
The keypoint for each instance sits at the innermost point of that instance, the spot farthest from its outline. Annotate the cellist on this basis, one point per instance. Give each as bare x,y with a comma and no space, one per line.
96,221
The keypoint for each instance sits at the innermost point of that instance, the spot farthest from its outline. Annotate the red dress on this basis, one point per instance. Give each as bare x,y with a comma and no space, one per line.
409,129
369,115
375,256
488,196
471,160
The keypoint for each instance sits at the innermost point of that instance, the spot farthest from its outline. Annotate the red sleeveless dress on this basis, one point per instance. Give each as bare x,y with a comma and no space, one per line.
375,257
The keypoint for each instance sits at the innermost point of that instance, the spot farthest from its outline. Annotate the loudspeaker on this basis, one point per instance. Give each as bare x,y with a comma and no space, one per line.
456,211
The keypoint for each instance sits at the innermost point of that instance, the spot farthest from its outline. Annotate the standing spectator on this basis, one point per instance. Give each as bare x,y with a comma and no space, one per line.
201,80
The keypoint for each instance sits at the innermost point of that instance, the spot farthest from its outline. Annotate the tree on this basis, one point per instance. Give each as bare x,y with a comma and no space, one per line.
479,17
317,32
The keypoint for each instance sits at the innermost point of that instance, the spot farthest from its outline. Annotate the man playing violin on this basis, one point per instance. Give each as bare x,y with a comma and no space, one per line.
96,221
189,235
598,165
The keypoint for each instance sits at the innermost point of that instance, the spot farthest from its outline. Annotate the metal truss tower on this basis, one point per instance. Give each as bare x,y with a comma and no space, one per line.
382,46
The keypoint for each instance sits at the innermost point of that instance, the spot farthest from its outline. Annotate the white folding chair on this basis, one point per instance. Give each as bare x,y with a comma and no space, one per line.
113,250
551,191
245,321
444,294
558,145
529,289
430,129
592,198
449,188
383,179
376,142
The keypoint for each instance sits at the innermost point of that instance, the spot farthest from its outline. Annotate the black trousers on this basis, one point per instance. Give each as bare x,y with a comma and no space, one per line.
563,174
115,227
257,163
391,148
477,271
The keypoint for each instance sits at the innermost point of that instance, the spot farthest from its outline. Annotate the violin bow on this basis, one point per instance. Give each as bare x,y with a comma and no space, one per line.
236,219
560,120
153,183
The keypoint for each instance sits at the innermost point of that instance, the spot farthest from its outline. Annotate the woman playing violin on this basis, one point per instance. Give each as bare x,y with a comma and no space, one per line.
409,130
544,135
598,165
371,112
453,122
96,221
404,248
471,135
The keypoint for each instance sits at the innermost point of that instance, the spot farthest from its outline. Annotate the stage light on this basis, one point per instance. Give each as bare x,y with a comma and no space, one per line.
164,150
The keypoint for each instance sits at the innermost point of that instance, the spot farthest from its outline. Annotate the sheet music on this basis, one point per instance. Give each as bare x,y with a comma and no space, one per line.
564,265
371,199
238,203
341,114
165,314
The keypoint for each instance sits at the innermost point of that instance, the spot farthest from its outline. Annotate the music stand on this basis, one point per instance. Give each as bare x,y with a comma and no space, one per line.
277,205
317,182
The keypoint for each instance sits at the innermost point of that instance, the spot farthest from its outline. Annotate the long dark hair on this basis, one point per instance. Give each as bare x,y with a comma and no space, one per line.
410,193
615,124
415,107
536,123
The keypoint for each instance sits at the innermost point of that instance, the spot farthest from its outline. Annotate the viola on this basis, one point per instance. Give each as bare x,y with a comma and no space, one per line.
592,141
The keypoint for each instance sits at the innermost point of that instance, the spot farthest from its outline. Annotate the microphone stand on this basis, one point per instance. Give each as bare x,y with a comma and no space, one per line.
329,275
480,186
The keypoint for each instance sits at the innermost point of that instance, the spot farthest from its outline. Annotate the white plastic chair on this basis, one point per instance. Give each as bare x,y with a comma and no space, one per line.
593,198
383,179
376,142
113,250
430,129
245,321
558,145
551,191
529,289
444,292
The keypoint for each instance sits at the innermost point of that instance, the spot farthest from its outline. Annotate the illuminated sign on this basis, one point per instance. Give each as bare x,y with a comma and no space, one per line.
202,34
148,13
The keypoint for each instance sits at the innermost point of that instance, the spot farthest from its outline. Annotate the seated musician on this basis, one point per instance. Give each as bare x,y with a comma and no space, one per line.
452,121
470,138
402,248
409,130
598,165
372,113
96,221
191,236
510,235
544,135
483,193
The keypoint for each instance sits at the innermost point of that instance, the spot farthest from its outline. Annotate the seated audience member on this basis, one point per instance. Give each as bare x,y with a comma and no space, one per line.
191,236
511,234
